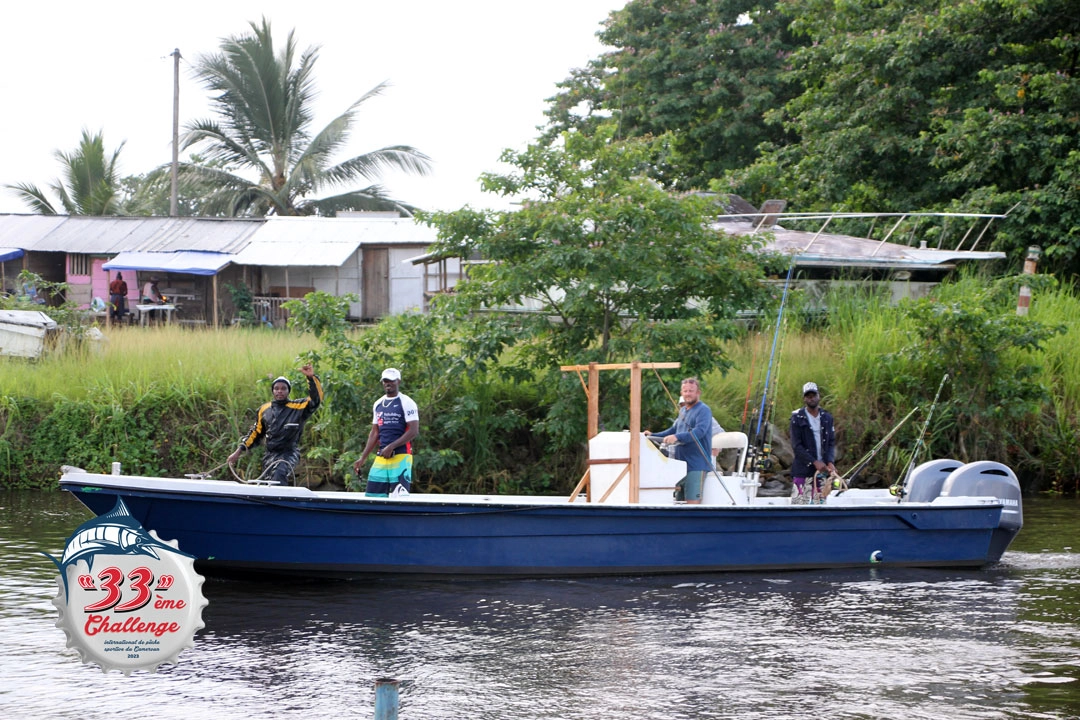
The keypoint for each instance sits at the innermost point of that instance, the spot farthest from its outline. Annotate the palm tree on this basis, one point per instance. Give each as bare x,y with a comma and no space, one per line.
264,105
91,182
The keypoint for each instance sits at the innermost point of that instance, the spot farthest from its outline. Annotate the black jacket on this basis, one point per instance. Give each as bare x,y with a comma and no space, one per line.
802,442
281,422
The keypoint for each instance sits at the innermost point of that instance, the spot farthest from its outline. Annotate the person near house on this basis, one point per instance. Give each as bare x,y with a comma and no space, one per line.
151,295
118,291
395,423
813,440
280,423
692,437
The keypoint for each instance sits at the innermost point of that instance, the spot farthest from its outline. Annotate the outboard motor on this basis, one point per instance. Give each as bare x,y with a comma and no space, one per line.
989,479
924,483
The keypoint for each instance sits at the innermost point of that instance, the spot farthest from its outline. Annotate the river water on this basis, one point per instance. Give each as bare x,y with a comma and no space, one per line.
1002,642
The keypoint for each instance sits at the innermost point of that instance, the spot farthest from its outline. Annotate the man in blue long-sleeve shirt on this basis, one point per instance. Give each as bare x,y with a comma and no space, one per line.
692,436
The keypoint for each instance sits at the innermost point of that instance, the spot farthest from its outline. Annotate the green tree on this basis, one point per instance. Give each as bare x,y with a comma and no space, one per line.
935,105
709,73
263,99
90,184
610,266
151,194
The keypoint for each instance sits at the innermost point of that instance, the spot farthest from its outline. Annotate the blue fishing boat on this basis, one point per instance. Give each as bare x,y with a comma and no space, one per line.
622,519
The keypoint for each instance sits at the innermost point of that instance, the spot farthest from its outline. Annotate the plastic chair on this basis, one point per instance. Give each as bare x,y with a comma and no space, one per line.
736,440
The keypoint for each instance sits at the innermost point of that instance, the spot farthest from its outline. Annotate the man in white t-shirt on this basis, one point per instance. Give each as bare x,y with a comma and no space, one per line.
395,424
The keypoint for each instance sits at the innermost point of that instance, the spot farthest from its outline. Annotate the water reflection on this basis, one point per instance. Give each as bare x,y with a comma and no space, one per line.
880,643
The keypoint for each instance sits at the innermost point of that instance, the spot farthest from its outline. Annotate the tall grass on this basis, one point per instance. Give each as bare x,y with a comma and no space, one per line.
134,361
159,400
1060,359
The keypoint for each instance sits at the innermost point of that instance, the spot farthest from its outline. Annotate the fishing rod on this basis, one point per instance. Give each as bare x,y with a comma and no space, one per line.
843,481
772,354
749,388
765,461
898,489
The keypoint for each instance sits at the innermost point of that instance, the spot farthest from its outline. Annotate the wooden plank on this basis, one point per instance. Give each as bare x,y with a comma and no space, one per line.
577,488
594,400
635,431
622,366
616,483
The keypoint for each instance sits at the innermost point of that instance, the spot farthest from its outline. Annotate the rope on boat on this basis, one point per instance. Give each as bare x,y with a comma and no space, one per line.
263,478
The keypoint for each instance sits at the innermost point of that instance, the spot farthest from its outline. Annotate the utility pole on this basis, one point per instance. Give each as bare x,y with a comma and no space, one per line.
174,190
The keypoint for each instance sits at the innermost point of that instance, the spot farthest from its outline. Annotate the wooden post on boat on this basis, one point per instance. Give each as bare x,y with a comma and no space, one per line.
635,431
594,400
386,699
594,421
592,391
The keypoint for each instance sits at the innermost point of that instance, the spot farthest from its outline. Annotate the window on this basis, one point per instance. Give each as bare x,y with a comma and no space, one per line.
78,264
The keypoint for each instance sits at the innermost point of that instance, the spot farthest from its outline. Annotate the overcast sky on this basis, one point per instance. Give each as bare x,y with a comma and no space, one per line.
468,79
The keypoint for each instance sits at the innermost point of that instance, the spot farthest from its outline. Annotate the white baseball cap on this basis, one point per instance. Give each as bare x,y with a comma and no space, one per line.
810,387
391,374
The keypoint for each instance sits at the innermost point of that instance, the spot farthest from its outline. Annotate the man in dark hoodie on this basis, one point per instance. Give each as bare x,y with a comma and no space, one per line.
813,440
281,422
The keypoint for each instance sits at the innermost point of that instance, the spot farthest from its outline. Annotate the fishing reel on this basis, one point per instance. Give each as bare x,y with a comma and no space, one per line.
764,461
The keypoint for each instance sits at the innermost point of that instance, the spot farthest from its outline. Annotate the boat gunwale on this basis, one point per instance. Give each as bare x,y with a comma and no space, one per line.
298,497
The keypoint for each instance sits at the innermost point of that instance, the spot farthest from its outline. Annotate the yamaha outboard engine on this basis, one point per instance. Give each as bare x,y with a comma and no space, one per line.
988,479
925,482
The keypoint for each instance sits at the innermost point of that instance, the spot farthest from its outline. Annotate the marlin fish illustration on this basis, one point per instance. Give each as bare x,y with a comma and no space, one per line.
114,533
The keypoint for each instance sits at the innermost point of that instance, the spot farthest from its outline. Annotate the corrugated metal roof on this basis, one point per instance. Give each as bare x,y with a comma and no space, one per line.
290,241
110,235
832,250
22,231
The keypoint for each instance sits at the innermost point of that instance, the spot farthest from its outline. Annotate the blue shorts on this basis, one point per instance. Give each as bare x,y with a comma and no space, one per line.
387,475
689,488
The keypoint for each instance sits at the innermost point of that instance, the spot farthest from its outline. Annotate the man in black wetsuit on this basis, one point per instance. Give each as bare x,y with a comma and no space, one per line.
281,422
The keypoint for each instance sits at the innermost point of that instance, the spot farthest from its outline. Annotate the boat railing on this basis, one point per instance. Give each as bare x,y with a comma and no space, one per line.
900,227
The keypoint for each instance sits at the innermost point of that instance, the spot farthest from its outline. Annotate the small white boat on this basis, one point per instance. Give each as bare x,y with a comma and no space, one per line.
23,333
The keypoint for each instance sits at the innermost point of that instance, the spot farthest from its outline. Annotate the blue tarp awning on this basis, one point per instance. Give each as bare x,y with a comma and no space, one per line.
188,262
10,254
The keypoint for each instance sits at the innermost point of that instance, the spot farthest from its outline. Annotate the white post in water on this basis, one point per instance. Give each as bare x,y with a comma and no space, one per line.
1023,302
386,699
